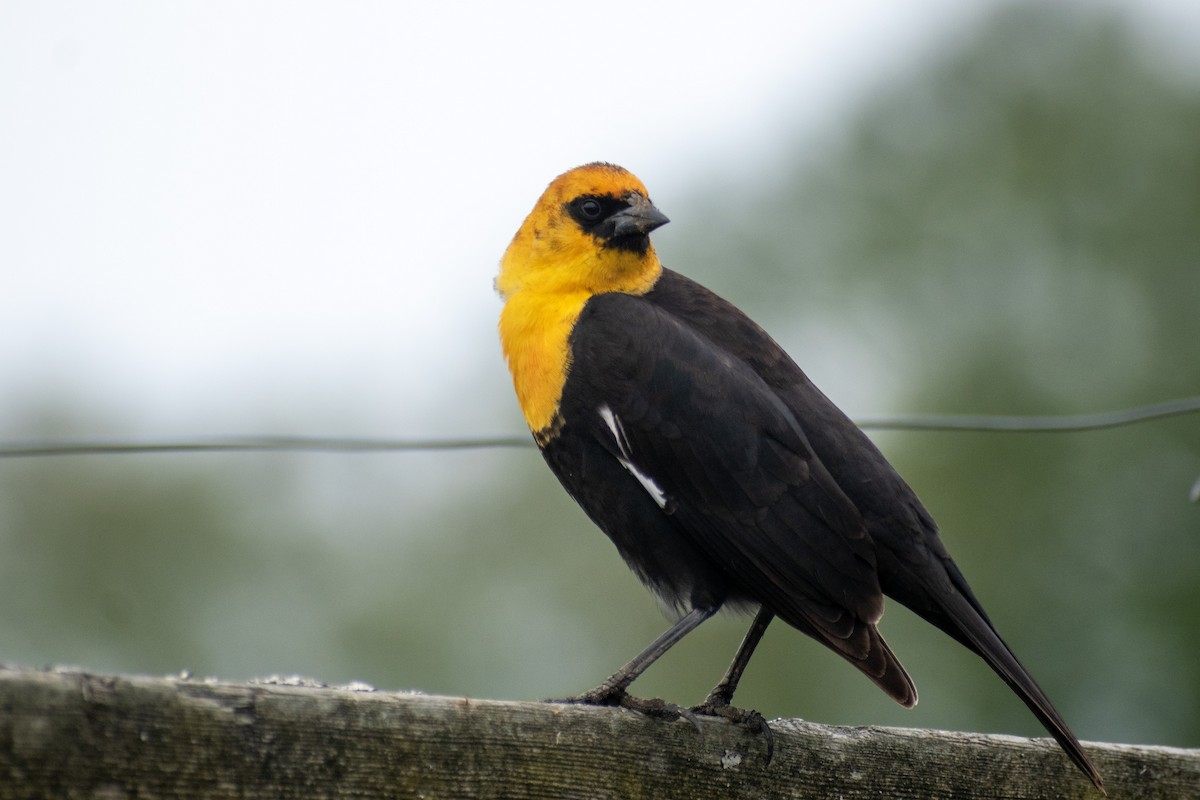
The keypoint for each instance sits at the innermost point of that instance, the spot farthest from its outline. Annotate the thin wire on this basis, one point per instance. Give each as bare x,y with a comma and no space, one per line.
1061,424
230,444
338,444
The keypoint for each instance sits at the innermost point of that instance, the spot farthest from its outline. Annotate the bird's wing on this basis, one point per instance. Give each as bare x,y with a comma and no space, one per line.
720,453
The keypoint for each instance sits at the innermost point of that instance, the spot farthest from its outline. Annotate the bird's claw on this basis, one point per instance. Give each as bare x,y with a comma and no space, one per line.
746,718
600,696
619,698
715,705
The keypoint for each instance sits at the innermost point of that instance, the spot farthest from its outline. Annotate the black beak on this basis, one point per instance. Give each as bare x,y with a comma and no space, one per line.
638,219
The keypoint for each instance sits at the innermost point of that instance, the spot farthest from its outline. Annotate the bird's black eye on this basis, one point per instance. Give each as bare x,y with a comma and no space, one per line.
590,208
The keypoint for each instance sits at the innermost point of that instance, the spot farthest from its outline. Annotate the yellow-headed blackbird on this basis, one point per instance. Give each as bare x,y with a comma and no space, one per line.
721,473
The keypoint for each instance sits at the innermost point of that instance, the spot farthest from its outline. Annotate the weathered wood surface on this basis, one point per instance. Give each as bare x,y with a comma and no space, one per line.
69,734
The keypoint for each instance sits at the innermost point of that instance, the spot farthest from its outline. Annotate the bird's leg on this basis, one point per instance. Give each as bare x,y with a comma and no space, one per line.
717,704
612,691
722,693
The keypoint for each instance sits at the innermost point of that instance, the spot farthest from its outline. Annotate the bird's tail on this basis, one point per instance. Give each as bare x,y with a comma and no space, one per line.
977,631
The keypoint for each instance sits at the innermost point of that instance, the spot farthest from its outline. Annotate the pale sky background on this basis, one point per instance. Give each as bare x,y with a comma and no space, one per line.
230,217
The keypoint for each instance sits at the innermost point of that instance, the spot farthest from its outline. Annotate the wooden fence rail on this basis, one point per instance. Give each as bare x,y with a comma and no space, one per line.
67,734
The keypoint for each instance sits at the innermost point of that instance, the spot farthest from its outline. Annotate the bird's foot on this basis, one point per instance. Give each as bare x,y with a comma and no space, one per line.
619,698
718,706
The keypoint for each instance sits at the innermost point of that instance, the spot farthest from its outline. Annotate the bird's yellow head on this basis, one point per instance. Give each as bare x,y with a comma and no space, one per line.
589,232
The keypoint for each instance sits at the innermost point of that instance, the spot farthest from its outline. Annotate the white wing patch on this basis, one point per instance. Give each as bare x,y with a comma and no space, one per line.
614,425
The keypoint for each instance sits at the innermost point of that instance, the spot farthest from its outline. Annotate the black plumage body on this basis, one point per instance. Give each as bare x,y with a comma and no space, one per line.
772,496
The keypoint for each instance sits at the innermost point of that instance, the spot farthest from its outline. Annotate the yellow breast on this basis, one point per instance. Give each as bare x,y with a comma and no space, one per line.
534,329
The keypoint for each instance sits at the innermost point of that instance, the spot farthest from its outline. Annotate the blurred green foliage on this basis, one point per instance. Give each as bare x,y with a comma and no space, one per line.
1015,229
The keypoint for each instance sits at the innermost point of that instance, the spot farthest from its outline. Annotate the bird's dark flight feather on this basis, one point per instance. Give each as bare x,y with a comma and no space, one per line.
746,494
